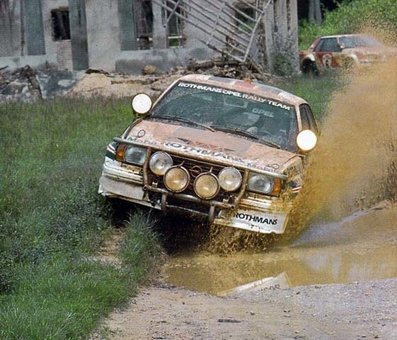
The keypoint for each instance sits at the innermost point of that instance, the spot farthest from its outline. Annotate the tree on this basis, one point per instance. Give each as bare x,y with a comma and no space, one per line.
315,14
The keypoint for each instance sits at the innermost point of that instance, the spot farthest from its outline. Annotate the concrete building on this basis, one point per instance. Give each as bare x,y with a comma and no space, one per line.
126,35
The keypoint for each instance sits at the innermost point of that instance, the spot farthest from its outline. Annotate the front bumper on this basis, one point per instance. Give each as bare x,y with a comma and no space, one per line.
269,215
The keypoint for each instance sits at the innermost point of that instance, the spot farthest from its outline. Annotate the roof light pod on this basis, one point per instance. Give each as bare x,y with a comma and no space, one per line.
141,103
306,140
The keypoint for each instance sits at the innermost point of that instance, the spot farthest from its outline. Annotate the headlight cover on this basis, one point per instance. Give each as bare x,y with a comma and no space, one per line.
176,179
160,162
132,154
230,179
263,184
206,186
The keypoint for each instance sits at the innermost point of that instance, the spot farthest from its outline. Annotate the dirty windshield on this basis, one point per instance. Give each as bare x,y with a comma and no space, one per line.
352,41
249,116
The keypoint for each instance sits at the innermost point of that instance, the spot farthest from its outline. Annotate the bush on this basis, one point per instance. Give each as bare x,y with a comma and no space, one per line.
352,17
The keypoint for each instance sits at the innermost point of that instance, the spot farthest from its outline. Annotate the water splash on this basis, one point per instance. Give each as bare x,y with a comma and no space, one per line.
353,166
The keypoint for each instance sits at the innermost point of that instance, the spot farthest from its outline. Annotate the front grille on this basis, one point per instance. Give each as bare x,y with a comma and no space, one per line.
195,168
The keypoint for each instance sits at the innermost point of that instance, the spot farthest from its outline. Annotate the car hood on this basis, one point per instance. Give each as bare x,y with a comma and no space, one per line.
371,50
211,146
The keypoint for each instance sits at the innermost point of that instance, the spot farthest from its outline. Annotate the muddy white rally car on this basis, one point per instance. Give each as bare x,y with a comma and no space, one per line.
343,51
226,149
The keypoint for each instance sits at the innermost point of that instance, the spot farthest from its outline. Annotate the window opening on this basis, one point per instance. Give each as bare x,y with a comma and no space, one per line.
144,24
174,14
60,24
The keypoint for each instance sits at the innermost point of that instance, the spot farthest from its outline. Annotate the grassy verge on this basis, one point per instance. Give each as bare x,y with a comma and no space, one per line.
317,91
52,220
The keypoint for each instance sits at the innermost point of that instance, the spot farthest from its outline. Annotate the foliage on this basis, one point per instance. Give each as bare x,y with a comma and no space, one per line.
352,17
317,91
282,65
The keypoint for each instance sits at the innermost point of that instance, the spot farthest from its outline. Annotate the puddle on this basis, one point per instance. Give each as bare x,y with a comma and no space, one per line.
352,167
359,248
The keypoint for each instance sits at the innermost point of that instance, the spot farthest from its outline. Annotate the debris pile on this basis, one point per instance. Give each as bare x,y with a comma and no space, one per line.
28,84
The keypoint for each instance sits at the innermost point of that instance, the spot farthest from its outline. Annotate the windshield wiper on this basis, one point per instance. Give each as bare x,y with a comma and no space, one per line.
268,142
183,120
247,134
238,131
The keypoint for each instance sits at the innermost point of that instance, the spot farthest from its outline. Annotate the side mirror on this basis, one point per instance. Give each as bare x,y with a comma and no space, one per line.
306,140
141,103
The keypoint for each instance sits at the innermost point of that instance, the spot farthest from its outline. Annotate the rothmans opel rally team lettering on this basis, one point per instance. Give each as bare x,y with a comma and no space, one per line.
226,150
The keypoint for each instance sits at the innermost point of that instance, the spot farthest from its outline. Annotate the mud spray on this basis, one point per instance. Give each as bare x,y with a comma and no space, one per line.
354,165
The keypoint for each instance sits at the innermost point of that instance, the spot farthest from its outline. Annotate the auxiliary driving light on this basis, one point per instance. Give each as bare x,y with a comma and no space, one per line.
160,162
230,179
206,186
176,179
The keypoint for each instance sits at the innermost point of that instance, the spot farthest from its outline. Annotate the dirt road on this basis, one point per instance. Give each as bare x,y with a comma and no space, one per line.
354,311
362,309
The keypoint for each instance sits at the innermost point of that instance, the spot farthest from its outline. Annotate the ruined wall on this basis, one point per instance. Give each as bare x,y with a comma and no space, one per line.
57,52
281,36
33,24
10,28
103,33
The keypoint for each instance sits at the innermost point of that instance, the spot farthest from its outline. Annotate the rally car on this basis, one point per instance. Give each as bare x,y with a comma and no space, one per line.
342,51
228,150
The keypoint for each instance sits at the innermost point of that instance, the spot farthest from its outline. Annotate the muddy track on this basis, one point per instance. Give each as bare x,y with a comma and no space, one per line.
354,311
363,309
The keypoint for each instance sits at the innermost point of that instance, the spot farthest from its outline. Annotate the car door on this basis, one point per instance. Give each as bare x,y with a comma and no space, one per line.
327,52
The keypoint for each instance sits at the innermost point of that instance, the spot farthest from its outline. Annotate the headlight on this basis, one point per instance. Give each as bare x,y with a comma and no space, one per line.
264,184
132,154
160,162
206,186
230,179
176,179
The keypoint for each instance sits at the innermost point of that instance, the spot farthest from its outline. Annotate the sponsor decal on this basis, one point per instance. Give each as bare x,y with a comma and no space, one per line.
256,219
219,153
327,60
234,93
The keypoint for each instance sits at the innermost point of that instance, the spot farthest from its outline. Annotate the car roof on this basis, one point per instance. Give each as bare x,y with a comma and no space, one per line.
245,86
344,35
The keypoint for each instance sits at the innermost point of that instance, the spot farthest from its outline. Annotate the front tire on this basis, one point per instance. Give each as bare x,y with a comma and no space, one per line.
310,69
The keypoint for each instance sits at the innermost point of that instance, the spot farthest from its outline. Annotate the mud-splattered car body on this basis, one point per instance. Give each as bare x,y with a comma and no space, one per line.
342,51
198,151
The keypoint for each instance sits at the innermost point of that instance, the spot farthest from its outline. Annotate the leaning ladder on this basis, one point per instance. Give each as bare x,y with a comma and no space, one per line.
224,31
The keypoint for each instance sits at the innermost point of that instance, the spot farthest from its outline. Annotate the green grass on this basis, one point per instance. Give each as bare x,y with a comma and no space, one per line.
317,91
52,220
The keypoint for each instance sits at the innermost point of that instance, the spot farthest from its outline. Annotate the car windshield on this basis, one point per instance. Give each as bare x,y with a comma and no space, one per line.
249,116
359,41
